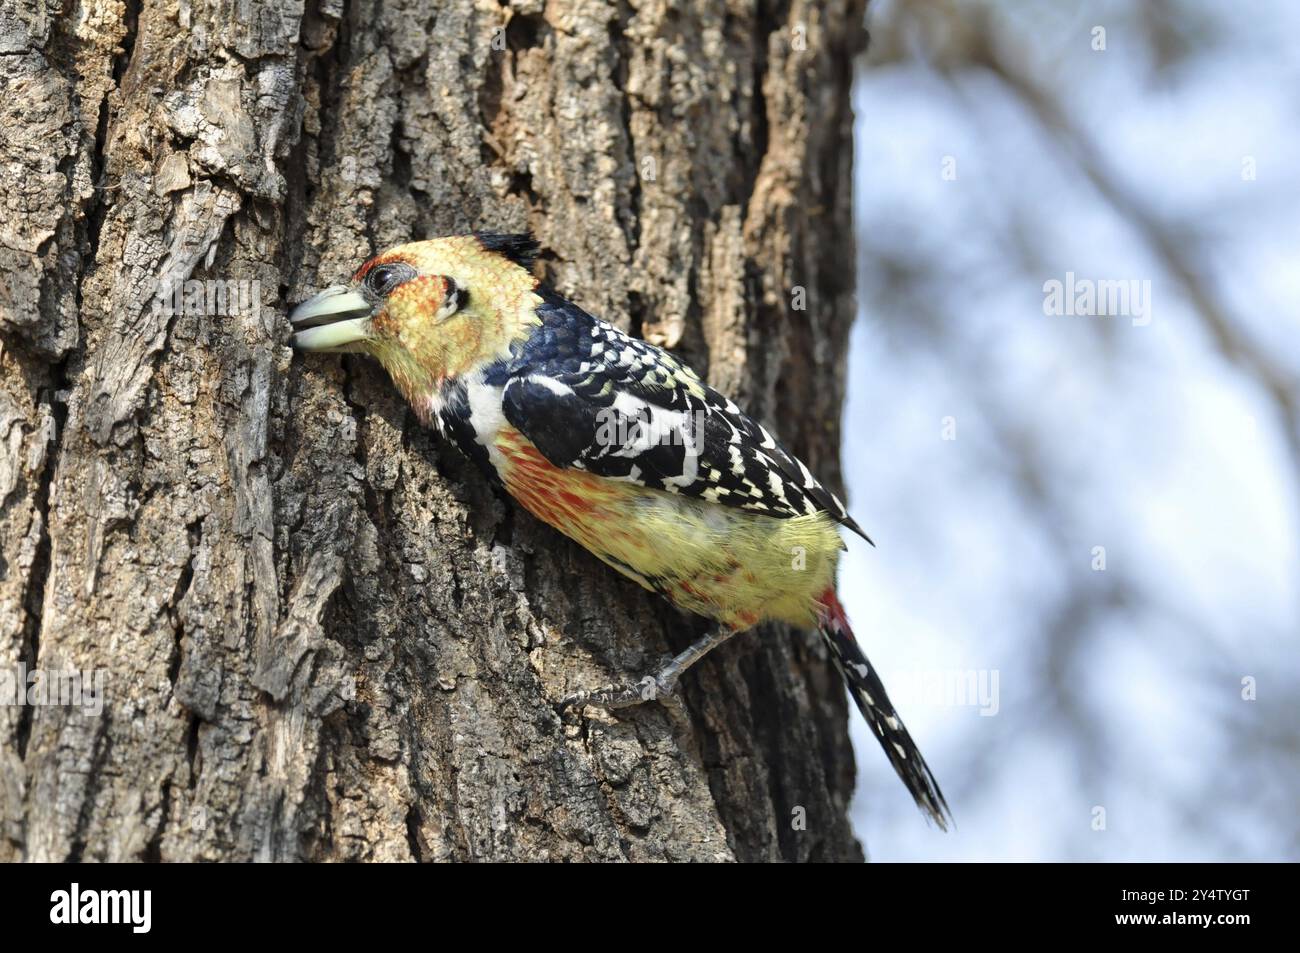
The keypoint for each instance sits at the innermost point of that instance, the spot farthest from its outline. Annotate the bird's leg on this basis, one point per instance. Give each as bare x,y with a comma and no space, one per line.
654,687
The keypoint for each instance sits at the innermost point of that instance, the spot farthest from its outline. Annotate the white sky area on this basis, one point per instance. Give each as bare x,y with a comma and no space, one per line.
1142,439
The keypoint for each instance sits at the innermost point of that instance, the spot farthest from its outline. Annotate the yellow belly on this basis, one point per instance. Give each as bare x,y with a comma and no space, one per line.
732,565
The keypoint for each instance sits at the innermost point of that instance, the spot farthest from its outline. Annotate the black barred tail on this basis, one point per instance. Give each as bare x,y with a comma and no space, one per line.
868,692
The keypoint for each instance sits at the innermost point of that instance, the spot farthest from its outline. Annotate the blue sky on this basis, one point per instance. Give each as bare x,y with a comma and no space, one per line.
1120,688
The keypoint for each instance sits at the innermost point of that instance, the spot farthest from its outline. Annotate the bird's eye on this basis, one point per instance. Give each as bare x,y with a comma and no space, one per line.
382,279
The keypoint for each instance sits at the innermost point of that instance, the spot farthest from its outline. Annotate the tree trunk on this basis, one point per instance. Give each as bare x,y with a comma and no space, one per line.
322,635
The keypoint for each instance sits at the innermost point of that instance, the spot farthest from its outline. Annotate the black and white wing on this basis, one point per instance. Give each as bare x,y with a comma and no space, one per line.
592,398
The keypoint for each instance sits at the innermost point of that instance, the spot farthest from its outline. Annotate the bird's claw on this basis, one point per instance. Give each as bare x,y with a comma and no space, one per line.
648,689
659,687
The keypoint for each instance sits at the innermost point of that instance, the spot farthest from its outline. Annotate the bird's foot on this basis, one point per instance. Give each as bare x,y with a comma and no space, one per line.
659,686
649,688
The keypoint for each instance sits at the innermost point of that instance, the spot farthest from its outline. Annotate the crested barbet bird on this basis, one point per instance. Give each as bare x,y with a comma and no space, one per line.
618,445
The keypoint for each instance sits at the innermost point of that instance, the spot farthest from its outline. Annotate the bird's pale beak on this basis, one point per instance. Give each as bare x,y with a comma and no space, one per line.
337,319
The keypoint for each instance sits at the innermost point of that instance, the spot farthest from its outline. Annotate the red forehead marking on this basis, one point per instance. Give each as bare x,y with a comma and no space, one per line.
377,260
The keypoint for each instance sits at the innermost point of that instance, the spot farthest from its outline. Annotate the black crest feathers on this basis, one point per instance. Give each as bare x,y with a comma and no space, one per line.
521,247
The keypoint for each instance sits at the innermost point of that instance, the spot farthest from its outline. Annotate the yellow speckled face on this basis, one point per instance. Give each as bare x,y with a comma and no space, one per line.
443,307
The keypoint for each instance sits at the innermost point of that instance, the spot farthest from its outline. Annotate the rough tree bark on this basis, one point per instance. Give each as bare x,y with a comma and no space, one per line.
324,636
